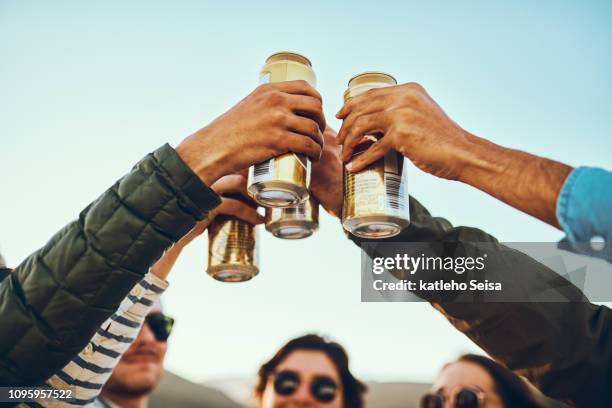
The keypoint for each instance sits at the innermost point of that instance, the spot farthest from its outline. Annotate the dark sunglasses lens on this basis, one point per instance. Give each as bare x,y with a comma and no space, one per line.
286,383
432,401
466,399
160,325
324,389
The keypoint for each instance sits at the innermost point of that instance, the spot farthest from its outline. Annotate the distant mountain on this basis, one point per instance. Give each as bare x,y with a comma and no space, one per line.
175,391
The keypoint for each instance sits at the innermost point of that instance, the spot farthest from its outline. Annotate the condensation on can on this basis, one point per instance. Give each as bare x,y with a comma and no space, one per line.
282,181
376,198
294,222
232,250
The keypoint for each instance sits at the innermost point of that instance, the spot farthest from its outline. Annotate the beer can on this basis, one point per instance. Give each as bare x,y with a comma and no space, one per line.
294,222
282,181
232,249
375,198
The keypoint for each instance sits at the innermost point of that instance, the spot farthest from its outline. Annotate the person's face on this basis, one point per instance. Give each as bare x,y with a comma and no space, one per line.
461,374
310,366
141,366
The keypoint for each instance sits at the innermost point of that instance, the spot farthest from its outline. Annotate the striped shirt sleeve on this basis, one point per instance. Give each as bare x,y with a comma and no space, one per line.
92,367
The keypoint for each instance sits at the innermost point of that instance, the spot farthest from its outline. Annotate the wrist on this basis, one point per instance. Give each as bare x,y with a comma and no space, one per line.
202,156
163,266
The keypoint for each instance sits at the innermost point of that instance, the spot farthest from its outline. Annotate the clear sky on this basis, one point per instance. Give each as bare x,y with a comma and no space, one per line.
88,88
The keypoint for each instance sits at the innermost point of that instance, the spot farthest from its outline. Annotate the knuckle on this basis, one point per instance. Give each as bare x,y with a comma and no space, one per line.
370,93
280,140
278,117
360,123
313,127
414,87
274,98
262,88
302,83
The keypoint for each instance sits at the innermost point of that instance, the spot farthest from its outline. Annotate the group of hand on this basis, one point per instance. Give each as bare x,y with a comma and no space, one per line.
288,117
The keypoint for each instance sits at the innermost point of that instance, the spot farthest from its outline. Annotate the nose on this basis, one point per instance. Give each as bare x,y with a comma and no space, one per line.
302,397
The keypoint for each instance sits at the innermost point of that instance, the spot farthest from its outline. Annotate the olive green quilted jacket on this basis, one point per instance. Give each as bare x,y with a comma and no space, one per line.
52,303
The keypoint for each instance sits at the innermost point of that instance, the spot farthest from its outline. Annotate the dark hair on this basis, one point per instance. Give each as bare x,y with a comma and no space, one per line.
513,391
353,389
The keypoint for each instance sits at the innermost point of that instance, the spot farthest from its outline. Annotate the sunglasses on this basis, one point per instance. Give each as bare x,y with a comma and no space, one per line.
322,388
160,324
463,398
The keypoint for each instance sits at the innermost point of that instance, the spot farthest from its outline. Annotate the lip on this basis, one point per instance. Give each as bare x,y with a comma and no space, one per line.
141,358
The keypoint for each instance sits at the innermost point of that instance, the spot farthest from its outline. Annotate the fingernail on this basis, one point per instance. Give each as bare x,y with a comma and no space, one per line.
349,166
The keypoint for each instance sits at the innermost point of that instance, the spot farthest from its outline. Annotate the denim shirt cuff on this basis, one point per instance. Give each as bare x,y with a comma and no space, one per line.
564,201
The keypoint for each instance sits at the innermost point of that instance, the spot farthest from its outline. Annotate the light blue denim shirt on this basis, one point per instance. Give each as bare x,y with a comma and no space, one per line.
584,211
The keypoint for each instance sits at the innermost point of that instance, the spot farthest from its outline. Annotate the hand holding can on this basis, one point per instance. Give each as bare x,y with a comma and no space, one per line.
284,180
412,123
232,234
275,119
375,198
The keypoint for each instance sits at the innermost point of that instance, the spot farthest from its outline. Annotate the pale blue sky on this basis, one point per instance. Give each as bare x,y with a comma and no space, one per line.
87,89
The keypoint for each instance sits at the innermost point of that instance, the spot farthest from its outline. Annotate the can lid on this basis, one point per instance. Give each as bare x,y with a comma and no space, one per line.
372,76
365,81
288,55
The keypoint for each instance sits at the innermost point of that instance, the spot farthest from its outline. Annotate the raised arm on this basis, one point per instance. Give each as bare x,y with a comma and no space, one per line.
55,300
563,348
92,367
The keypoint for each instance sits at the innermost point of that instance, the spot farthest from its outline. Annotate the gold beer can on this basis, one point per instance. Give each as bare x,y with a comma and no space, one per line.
376,198
294,222
232,249
282,181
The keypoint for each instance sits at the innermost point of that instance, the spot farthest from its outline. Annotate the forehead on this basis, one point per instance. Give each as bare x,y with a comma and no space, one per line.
309,363
462,374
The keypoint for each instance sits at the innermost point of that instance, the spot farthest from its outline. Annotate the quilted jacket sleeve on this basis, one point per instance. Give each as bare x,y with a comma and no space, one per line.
565,349
54,301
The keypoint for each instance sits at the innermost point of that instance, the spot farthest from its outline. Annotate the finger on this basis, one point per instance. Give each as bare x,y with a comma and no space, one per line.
347,124
241,210
359,109
363,125
309,107
345,109
233,183
297,88
357,103
307,127
373,153
298,143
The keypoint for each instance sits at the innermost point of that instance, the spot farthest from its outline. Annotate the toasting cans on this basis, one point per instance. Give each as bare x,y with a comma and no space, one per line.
376,198
282,181
232,249
294,222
